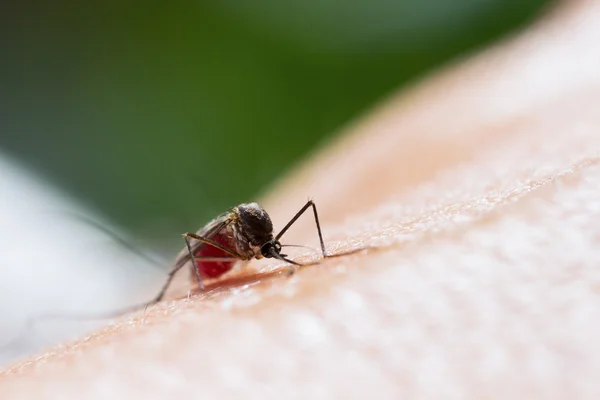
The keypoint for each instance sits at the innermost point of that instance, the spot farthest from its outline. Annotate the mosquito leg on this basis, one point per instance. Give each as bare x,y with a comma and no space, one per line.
194,259
177,267
172,273
212,243
310,203
160,294
194,263
209,242
217,259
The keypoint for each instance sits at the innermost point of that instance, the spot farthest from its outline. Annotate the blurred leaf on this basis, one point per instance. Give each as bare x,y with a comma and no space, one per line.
162,115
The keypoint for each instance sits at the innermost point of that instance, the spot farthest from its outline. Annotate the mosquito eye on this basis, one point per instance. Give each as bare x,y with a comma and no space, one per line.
266,250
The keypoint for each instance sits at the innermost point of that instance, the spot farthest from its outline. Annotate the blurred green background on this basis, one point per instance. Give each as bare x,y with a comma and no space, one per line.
161,115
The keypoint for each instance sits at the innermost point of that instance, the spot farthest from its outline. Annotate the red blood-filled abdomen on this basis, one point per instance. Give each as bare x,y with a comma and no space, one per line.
214,269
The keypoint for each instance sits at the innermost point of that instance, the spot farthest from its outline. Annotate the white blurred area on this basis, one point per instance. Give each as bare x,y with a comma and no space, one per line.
52,261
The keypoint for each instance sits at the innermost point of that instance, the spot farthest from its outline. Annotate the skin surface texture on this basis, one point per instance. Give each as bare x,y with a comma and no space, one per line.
476,195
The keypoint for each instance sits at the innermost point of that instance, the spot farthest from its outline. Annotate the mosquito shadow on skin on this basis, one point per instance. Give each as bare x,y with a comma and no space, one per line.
256,278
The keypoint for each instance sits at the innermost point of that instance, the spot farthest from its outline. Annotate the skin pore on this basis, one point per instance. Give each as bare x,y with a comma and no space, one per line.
477,196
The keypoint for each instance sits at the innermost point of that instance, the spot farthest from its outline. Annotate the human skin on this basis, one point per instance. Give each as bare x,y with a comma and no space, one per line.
476,198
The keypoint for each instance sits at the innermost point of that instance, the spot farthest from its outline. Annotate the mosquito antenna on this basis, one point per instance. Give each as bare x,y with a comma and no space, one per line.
299,245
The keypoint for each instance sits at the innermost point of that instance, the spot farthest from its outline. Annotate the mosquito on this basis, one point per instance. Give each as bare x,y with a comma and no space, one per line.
243,233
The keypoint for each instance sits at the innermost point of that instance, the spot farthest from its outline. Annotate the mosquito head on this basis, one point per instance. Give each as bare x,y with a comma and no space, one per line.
272,249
